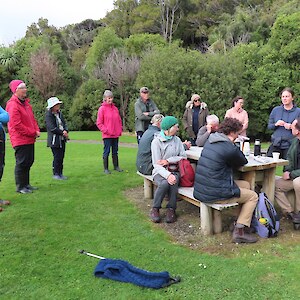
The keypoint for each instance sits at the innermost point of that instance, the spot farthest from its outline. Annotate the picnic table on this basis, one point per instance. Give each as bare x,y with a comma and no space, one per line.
258,169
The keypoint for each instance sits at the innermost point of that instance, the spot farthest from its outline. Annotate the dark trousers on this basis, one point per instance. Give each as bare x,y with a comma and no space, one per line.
283,152
58,159
112,143
163,189
24,159
2,151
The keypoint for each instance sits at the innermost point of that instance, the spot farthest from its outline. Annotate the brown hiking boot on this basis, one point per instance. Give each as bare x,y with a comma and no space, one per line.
154,215
170,215
240,235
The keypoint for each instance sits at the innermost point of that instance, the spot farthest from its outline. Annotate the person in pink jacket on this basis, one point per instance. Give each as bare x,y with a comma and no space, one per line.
110,124
23,131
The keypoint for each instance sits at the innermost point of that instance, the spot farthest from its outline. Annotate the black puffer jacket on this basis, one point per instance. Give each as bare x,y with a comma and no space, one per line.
214,173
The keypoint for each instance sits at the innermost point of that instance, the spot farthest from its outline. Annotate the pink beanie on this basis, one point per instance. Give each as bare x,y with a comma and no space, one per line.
14,84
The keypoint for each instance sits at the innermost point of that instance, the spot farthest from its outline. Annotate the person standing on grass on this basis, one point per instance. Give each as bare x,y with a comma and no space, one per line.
144,109
23,130
194,117
214,181
4,118
167,150
280,121
110,124
237,111
57,136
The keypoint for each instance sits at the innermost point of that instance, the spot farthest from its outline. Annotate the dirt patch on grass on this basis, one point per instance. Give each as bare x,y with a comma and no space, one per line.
186,230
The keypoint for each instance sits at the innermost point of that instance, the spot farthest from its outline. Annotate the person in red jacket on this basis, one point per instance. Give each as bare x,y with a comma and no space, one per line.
23,131
110,124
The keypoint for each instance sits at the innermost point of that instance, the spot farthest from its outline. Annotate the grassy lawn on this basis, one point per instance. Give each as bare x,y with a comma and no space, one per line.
42,233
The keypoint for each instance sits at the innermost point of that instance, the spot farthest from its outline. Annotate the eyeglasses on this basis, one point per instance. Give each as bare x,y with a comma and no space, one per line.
145,92
197,100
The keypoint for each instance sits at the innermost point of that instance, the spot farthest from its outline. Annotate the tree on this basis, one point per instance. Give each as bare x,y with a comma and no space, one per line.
104,42
45,73
120,71
9,59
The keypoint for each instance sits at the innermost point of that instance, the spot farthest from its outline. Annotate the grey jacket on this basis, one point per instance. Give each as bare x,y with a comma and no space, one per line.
171,150
202,136
140,119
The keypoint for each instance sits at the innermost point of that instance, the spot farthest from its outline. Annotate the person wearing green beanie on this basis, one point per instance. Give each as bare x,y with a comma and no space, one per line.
167,150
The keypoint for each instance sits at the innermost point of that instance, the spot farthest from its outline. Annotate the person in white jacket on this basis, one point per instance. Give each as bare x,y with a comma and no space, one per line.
167,150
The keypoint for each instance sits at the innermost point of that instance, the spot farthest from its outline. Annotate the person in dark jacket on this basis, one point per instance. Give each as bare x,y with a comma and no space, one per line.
214,182
194,117
4,118
57,131
280,120
144,157
290,179
23,131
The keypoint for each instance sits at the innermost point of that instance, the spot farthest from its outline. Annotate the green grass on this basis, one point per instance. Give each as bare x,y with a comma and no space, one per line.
42,233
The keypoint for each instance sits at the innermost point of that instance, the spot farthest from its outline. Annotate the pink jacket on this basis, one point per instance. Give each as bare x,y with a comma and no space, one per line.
22,126
109,121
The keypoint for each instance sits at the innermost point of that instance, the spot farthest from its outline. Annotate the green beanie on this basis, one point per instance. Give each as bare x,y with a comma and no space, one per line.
168,122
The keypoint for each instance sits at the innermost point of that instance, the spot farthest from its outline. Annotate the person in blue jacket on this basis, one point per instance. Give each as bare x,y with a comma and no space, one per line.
280,120
4,118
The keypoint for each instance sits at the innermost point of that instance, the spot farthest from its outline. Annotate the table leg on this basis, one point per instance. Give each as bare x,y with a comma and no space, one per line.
250,177
269,183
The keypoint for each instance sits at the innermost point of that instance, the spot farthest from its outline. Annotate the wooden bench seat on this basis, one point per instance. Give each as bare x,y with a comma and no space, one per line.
210,214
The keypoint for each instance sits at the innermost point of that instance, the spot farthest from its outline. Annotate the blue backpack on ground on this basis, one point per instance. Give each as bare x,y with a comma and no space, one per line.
265,219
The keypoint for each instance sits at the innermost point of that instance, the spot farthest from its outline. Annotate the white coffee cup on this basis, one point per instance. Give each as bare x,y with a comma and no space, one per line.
276,156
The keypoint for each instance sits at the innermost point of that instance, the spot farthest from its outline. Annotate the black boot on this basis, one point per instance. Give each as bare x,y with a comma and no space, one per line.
105,164
116,163
240,235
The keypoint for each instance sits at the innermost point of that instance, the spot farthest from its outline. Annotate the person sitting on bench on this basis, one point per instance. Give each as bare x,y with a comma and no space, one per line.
214,181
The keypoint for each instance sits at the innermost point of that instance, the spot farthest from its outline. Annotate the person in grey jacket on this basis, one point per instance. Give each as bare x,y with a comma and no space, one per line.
280,121
57,131
167,150
205,131
144,157
144,109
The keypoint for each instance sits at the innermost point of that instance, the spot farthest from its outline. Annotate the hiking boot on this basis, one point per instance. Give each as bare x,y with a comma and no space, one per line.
154,215
170,215
241,236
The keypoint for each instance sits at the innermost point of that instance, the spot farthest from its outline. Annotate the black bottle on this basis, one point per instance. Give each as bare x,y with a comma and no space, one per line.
257,148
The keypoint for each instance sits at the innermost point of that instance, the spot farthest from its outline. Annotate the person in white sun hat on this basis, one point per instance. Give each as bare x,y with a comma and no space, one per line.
58,135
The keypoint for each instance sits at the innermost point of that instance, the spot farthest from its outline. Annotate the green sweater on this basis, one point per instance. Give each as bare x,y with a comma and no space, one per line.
293,160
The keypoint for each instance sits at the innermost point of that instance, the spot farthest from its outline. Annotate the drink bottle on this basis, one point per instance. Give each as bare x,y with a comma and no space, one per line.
257,148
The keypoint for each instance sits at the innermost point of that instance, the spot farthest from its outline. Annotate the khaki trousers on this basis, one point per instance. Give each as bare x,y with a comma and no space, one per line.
247,199
281,187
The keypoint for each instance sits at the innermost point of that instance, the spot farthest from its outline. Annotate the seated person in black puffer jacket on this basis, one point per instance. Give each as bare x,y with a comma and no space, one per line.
214,181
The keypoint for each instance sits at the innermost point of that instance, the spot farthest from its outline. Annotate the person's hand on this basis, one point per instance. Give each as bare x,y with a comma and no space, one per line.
208,128
188,144
146,113
162,162
287,126
65,134
280,123
286,175
37,134
171,179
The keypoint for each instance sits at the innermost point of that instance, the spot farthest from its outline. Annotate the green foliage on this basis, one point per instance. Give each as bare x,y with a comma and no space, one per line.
83,113
139,43
104,42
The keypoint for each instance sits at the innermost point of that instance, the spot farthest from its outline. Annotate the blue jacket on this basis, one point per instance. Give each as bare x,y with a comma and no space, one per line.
214,172
4,118
282,137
